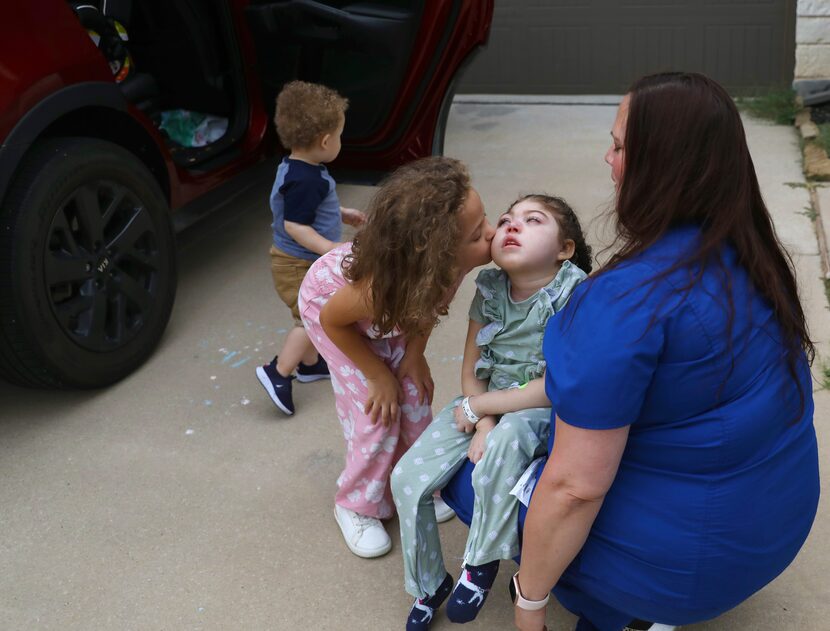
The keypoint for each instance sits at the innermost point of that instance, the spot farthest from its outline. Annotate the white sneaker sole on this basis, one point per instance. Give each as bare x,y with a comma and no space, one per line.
310,378
365,554
269,388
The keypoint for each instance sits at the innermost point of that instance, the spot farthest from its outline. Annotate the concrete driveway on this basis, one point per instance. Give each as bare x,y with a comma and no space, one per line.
181,499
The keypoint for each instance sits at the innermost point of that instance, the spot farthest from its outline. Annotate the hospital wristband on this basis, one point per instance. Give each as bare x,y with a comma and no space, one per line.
472,417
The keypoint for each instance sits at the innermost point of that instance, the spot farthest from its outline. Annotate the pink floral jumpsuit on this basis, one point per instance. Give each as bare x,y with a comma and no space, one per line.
371,450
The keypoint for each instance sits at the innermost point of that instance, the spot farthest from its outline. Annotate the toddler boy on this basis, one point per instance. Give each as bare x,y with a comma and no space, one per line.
307,216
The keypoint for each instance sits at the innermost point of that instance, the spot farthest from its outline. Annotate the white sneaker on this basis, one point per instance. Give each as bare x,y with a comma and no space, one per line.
364,535
442,511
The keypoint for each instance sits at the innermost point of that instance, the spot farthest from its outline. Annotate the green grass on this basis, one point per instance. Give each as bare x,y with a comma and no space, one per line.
778,106
823,138
808,212
825,376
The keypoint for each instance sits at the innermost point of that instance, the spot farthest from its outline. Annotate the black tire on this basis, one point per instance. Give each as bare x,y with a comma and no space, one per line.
87,265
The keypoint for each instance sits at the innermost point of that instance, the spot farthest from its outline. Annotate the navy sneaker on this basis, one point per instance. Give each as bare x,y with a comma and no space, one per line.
471,591
420,616
277,386
315,372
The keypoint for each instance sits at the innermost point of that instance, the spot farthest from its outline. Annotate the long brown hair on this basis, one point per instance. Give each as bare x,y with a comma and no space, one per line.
405,256
687,162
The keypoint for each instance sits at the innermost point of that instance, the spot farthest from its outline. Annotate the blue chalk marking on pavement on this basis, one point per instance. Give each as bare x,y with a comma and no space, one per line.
244,360
229,356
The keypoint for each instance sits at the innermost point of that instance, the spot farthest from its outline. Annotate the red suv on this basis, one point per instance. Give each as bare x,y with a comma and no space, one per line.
99,163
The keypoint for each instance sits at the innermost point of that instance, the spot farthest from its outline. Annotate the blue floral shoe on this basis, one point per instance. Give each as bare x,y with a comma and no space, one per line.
471,591
420,616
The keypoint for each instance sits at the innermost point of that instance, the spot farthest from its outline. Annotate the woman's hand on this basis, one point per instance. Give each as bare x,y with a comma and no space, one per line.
529,620
384,398
414,366
479,442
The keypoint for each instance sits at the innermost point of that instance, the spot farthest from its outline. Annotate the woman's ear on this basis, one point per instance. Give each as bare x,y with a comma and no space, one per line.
567,251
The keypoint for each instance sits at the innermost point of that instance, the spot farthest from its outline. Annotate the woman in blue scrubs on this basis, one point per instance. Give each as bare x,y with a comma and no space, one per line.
683,469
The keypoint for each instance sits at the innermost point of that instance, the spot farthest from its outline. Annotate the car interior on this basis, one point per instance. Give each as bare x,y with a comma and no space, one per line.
361,49
178,61
180,70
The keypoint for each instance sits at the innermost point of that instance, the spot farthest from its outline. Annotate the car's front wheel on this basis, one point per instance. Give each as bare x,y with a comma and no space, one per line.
87,265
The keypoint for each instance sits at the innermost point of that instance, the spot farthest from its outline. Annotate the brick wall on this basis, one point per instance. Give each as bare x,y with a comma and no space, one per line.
812,42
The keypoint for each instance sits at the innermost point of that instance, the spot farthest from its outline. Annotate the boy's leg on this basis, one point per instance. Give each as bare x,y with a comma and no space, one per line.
288,273
511,447
431,461
296,348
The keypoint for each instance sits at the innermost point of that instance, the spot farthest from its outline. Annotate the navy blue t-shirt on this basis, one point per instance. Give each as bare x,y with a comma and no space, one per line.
306,194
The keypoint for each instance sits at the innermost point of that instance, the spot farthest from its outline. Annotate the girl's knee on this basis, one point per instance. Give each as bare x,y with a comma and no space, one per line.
407,490
514,433
396,484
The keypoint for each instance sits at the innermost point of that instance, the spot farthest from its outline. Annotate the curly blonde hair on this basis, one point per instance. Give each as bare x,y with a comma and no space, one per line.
306,111
405,255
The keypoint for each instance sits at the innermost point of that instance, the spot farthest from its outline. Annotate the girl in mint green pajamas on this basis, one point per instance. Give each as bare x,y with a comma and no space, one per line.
541,251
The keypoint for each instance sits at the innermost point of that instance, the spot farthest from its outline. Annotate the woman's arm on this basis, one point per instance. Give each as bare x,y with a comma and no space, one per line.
498,402
565,503
338,316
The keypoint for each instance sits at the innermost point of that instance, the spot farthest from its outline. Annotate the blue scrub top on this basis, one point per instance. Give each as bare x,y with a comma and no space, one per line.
718,485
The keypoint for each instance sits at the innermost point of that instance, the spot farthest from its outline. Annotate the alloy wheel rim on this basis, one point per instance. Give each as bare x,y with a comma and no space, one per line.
102,265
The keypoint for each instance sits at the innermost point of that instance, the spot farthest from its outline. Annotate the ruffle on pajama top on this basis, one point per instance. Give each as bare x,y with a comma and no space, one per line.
511,339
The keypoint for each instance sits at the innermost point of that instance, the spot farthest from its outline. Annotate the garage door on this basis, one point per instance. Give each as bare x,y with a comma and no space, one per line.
601,46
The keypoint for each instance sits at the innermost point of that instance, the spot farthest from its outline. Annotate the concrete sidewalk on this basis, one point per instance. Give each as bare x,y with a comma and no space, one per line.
180,498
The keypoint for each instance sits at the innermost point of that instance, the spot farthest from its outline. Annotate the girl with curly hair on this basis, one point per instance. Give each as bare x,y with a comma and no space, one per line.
369,307
542,253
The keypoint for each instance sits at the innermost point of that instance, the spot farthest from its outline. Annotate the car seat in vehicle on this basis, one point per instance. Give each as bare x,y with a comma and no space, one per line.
108,26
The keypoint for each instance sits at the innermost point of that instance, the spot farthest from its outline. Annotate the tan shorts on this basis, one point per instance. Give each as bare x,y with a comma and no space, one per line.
288,273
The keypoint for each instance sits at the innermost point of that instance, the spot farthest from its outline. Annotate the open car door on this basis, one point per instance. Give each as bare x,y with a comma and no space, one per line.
397,61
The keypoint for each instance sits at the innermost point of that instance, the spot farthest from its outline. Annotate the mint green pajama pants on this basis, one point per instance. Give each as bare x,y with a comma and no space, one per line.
429,464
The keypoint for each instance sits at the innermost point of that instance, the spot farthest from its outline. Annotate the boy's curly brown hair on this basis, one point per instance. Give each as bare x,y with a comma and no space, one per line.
405,256
306,111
